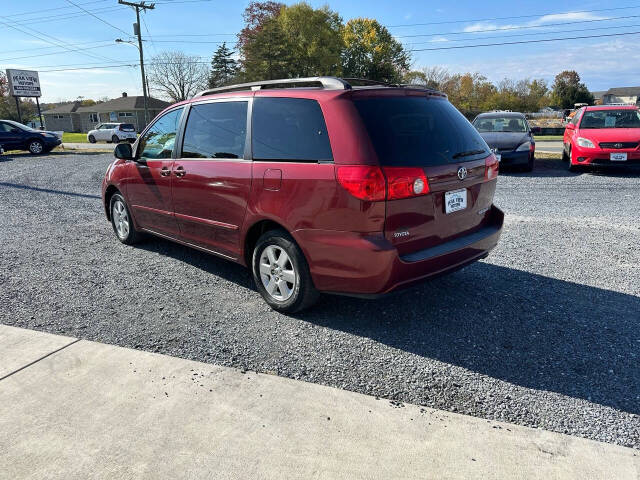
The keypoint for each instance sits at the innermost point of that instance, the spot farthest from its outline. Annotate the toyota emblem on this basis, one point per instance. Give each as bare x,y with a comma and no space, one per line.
618,145
462,173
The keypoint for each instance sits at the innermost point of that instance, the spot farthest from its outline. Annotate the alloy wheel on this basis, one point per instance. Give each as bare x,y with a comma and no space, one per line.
36,147
277,273
120,219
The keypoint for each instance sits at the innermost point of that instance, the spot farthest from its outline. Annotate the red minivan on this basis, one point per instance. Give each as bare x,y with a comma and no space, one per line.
315,184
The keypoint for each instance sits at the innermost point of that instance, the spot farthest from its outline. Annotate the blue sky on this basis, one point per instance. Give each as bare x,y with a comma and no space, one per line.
28,28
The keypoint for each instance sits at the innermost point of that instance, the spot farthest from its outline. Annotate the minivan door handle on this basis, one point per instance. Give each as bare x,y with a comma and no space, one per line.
180,172
165,172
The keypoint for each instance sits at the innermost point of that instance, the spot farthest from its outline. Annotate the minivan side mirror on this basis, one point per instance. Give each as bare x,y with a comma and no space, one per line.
123,151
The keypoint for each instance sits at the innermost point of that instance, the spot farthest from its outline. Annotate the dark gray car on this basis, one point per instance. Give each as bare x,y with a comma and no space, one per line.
508,134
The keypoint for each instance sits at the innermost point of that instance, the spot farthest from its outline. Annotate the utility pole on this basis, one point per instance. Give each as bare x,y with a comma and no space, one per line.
136,31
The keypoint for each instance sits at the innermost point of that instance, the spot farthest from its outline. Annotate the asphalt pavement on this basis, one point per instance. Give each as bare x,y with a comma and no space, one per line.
549,146
543,333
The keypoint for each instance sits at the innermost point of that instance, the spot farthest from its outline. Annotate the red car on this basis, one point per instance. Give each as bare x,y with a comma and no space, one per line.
314,184
603,135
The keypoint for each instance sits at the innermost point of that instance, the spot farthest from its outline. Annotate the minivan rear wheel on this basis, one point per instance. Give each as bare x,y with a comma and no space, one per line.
281,273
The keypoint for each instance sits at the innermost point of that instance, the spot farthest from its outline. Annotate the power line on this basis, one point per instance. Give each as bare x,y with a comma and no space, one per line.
110,44
57,42
97,17
526,41
524,34
520,27
40,10
63,16
510,18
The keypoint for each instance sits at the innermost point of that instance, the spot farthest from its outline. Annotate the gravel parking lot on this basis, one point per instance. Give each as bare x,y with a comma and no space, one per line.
545,332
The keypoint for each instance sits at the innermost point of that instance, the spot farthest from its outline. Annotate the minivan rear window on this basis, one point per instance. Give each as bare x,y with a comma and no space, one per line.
127,127
419,131
289,129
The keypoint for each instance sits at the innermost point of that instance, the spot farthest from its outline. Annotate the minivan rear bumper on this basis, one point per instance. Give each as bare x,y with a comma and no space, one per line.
369,265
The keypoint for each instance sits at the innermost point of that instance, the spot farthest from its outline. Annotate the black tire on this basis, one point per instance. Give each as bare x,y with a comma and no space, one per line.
92,139
529,166
35,147
301,291
115,139
131,235
565,157
572,168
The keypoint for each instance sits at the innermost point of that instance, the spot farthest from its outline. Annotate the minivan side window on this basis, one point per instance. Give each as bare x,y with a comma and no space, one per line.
289,129
158,141
216,130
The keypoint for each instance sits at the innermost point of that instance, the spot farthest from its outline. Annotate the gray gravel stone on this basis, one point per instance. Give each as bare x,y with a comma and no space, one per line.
545,332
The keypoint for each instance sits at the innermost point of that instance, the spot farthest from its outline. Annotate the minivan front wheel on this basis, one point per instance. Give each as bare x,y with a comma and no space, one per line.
121,220
281,273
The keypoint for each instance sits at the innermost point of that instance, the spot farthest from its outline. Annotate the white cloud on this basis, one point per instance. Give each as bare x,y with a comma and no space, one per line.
566,17
439,40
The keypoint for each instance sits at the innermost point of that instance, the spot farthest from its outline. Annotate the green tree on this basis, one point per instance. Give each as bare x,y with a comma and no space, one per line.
568,90
370,51
295,41
223,67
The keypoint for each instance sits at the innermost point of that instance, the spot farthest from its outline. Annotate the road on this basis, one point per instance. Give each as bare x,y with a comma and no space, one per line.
545,332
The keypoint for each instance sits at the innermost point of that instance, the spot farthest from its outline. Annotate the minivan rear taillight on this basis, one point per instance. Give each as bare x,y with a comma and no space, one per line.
491,167
368,182
363,181
404,182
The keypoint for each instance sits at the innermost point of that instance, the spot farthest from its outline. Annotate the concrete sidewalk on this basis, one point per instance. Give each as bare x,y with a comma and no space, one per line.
79,409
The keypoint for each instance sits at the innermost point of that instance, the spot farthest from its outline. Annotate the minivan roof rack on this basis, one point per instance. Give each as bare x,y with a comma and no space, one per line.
329,83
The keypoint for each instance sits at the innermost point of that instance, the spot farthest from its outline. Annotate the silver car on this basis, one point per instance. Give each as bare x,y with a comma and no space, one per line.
113,132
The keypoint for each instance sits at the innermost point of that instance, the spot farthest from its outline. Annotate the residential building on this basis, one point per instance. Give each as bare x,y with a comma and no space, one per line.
62,118
72,117
624,95
124,109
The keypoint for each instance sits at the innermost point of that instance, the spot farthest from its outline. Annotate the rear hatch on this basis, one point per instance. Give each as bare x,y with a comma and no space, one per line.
127,127
416,133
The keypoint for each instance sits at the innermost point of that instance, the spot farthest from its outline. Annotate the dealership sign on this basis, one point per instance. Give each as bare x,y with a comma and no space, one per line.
23,83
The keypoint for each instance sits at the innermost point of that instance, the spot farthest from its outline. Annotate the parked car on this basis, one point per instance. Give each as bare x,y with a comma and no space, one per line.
508,134
113,132
602,135
340,189
16,136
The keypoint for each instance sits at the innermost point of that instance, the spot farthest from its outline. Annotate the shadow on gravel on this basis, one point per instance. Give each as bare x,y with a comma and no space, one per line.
526,329
47,190
557,168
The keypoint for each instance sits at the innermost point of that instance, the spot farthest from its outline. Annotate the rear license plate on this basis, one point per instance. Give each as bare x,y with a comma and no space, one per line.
455,200
618,157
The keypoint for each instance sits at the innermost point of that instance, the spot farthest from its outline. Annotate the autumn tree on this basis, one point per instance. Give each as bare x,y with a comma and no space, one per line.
177,76
370,51
569,90
223,67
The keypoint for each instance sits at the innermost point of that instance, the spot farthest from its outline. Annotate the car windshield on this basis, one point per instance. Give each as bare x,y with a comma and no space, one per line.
20,126
626,118
500,124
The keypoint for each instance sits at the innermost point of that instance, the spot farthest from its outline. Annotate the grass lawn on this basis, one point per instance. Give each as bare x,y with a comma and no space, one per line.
543,138
74,137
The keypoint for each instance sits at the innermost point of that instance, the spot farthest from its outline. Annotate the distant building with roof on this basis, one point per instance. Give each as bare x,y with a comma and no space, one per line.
624,95
62,118
124,109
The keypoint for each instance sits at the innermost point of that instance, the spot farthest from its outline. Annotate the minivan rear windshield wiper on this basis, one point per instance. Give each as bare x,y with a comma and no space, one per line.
468,153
